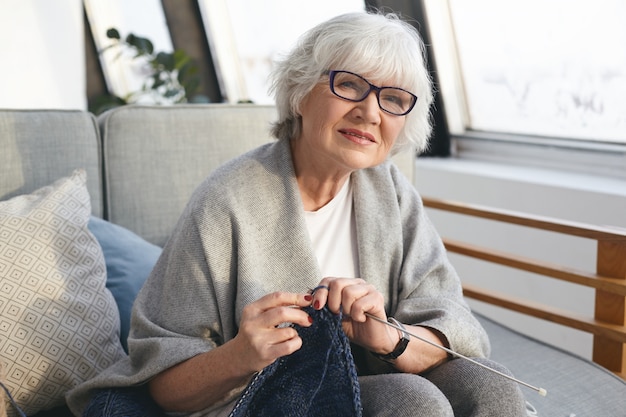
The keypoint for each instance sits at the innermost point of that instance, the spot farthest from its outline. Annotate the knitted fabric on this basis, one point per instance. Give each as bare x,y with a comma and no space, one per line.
319,379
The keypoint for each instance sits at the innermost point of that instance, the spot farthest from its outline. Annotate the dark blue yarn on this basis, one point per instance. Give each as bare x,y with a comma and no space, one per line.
318,380
18,410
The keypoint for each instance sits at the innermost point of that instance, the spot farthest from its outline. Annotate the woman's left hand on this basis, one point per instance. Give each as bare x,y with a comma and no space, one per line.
354,297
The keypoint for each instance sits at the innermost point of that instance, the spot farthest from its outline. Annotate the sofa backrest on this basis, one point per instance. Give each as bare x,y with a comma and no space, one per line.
37,147
155,157
142,162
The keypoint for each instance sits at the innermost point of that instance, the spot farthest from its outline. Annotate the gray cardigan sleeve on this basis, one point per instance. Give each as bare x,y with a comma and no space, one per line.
420,284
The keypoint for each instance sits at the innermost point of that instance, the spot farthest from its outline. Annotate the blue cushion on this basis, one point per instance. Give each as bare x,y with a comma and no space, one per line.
129,260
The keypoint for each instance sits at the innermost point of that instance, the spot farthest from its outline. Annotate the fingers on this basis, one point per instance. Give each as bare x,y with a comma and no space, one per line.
263,333
344,293
277,299
352,296
330,292
260,346
279,307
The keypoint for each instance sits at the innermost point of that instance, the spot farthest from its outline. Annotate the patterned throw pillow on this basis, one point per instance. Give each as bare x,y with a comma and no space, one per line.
59,325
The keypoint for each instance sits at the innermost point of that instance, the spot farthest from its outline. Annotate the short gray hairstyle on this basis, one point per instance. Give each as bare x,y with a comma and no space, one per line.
360,42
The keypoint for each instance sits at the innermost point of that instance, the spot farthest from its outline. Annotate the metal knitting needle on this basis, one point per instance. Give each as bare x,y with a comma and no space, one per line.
540,391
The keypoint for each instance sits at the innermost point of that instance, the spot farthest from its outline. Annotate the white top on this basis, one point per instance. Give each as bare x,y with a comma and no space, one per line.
332,229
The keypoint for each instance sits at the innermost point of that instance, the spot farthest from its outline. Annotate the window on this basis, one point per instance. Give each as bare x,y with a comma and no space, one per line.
543,73
123,73
554,68
246,37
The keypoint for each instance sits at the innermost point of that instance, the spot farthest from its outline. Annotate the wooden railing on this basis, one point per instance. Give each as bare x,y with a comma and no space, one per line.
608,325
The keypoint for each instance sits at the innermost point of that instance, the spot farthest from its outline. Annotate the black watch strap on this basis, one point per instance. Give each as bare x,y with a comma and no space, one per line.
400,347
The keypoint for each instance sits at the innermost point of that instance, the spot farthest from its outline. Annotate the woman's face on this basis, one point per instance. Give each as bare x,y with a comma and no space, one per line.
339,134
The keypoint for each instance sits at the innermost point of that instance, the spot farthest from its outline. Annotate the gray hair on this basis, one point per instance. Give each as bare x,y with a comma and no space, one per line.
364,43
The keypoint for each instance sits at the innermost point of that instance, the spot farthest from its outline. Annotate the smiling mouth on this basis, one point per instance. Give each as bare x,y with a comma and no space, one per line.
358,136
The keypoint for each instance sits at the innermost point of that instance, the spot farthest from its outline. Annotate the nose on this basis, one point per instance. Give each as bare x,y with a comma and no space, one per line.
368,109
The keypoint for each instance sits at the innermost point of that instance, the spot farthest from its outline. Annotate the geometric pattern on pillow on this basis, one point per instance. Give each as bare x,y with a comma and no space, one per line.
59,325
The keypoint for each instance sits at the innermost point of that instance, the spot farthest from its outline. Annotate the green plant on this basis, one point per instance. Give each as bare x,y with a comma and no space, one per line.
171,77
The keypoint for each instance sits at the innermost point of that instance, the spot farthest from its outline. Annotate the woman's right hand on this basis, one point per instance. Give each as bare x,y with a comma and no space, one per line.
262,336
205,379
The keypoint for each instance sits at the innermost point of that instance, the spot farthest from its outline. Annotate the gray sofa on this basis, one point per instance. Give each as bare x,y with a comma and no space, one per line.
142,163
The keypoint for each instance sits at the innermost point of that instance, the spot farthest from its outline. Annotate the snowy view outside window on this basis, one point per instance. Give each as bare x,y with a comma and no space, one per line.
544,67
247,36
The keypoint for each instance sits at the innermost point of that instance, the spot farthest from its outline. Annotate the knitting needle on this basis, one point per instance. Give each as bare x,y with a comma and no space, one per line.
540,391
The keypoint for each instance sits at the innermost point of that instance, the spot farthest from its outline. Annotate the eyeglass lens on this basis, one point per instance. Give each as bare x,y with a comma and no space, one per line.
353,87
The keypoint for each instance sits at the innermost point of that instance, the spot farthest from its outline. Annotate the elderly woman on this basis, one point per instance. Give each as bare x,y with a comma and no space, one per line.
322,207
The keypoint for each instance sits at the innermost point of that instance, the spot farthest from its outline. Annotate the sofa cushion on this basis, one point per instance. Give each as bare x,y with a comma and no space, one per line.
176,147
38,147
575,386
59,325
129,260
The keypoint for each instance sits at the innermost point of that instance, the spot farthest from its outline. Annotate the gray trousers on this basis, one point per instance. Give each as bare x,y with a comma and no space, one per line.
456,388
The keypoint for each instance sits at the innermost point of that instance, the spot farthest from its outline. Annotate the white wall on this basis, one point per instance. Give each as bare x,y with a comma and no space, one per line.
594,200
43,54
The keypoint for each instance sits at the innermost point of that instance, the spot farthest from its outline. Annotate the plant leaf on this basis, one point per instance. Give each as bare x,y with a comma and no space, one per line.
171,92
191,86
181,58
105,102
157,80
143,45
113,33
166,60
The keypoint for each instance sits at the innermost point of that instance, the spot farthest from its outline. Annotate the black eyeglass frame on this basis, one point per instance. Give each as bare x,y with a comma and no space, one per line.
377,89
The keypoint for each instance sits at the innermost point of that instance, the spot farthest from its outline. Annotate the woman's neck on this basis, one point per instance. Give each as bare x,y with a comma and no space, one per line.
317,184
316,195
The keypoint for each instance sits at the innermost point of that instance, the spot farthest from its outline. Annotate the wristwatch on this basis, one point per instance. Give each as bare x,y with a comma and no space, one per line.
400,347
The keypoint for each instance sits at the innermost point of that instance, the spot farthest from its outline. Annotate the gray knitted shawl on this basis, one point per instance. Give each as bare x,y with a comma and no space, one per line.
243,235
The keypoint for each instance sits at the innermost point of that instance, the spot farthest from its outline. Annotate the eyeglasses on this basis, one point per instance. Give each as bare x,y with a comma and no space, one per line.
353,87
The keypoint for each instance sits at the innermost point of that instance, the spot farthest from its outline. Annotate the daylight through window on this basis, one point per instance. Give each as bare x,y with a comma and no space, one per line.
549,68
